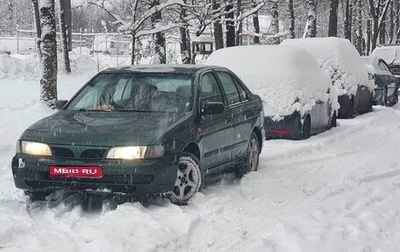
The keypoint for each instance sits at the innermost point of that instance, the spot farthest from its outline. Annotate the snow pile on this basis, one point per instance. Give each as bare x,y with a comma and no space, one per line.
340,58
288,79
18,66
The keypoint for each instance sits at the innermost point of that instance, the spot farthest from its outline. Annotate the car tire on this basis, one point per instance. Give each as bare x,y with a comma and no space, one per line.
37,195
333,122
350,109
250,161
188,181
92,202
306,129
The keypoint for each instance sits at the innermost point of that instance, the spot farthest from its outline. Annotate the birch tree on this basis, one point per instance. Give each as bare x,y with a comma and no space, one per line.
311,20
275,23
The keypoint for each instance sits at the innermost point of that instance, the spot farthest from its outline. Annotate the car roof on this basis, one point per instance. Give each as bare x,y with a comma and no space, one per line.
160,68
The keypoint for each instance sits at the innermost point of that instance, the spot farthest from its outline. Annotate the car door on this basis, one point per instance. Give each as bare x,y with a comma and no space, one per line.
215,130
241,110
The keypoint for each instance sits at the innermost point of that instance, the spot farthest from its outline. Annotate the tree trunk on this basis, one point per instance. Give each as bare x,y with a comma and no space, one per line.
133,45
358,39
185,41
230,26
333,18
218,33
311,20
397,21
160,54
369,35
275,23
68,22
239,25
347,23
48,46
36,14
64,37
291,19
391,23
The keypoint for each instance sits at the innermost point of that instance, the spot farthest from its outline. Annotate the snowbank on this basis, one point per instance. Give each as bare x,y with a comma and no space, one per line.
340,59
288,79
17,66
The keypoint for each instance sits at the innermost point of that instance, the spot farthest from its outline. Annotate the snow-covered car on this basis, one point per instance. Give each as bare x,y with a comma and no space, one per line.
348,73
390,54
386,90
143,130
295,91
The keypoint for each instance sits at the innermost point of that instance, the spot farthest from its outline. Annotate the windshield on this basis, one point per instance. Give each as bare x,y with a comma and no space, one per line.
145,92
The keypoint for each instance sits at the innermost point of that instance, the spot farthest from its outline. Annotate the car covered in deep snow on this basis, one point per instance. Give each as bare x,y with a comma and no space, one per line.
386,86
296,92
348,73
143,130
391,54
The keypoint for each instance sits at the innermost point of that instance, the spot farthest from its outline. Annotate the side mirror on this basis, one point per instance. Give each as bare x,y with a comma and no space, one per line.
211,108
60,104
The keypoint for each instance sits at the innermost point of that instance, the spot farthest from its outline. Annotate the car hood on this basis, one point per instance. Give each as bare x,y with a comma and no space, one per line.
100,128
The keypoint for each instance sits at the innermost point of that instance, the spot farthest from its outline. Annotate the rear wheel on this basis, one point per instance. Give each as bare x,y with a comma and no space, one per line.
188,180
250,161
333,122
306,128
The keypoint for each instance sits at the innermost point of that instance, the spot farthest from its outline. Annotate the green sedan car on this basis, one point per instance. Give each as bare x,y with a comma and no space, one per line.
143,130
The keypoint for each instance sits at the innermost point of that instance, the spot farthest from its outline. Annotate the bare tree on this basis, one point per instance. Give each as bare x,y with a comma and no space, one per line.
378,10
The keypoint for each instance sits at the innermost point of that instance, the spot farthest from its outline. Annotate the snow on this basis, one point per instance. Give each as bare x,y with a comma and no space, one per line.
336,191
288,79
339,58
390,54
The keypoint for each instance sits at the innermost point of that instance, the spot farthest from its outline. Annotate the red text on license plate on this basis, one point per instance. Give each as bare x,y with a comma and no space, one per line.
75,171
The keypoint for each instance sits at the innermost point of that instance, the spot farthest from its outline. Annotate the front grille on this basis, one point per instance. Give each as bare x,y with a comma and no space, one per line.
78,152
93,154
62,152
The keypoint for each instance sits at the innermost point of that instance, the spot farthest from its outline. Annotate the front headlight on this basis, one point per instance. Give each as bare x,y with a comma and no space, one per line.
33,148
135,152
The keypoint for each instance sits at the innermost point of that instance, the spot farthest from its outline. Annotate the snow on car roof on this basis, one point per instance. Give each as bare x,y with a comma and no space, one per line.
389,53
288,79
340,58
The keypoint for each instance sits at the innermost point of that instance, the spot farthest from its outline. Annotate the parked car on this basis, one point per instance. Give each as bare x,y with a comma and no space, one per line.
143,130
386,90
348,73
294,89
390,54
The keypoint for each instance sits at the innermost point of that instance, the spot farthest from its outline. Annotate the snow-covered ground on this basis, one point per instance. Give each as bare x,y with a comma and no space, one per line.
337,191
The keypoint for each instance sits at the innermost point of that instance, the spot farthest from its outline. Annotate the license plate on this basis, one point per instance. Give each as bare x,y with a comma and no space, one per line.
75,171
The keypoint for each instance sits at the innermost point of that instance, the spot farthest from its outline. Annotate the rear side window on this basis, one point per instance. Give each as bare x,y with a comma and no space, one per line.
210,91
229,87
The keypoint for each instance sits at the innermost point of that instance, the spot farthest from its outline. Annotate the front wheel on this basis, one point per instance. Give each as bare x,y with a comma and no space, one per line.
251,160
188,180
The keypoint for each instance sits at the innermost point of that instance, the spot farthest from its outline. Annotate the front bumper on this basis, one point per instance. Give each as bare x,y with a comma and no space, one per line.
135,177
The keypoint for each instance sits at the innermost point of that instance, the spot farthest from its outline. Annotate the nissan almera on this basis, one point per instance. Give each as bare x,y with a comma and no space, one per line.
143,130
